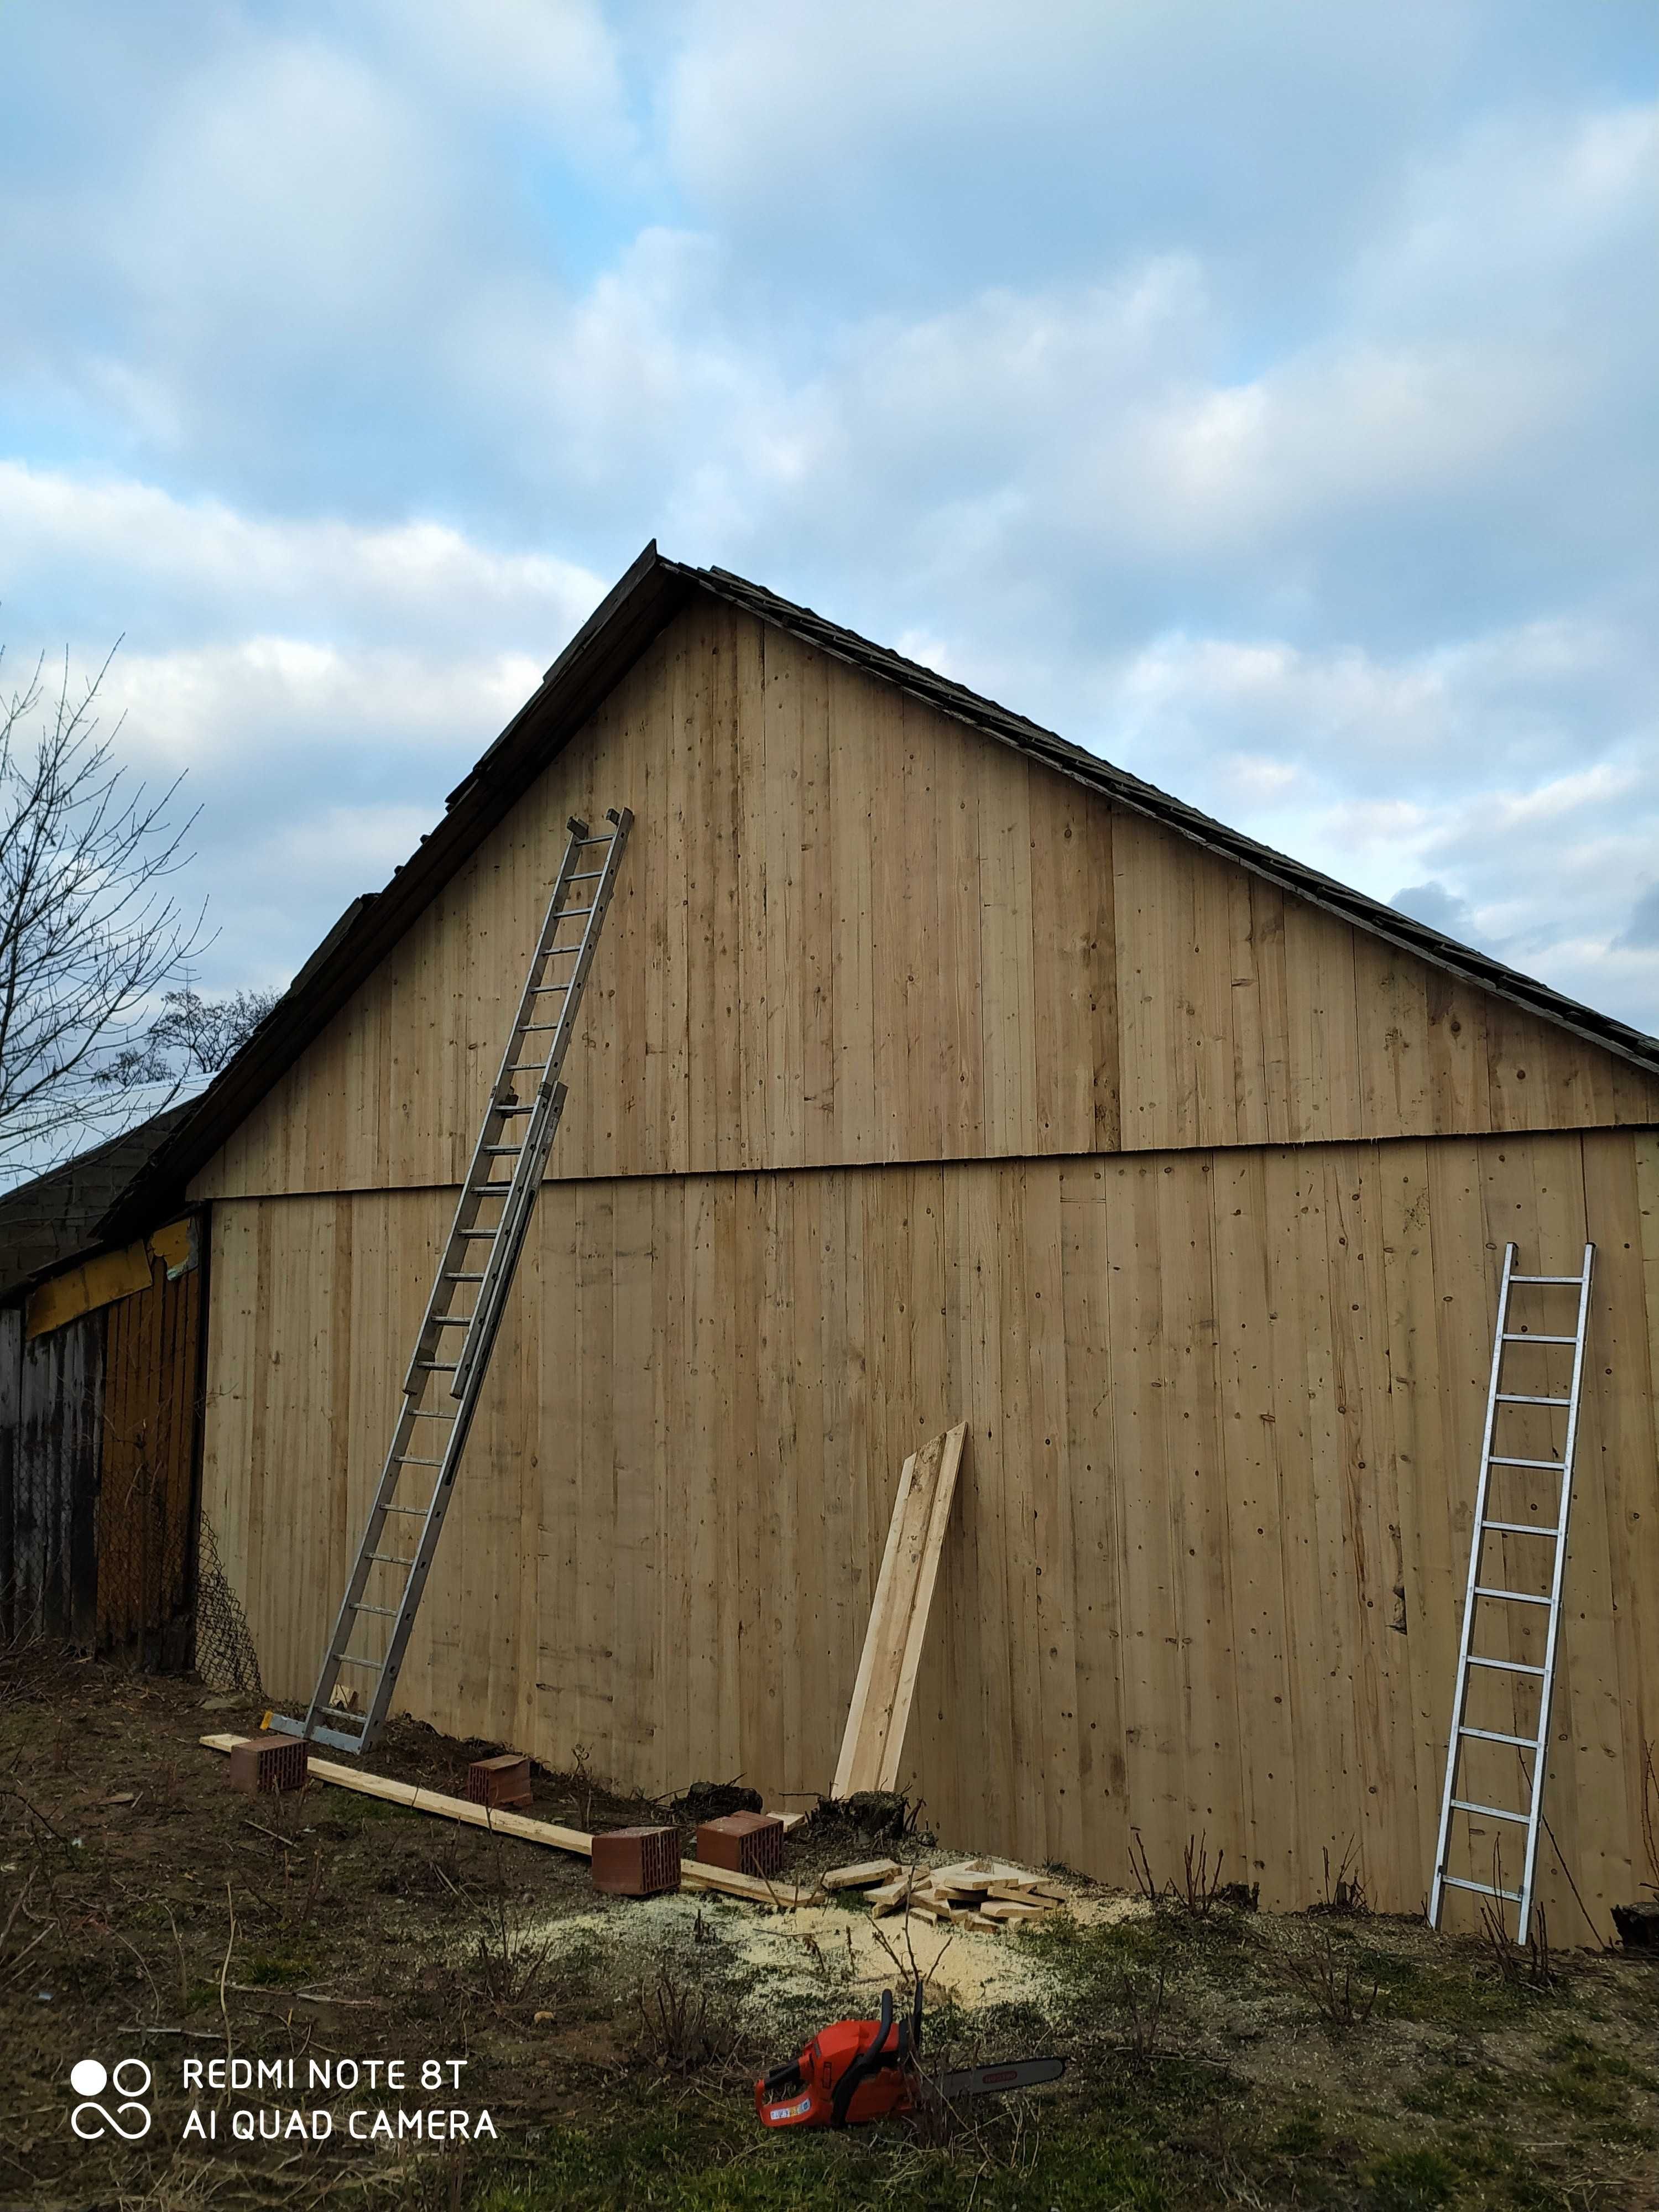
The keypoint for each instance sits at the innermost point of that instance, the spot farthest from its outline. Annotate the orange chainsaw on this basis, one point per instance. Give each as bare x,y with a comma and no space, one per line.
867,2069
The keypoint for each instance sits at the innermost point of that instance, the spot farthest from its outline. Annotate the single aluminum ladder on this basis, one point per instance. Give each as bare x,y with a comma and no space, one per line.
1552,1533
492,1213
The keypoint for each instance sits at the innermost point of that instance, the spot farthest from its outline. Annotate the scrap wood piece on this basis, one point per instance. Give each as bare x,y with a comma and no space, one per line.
894,1896
1031,1892
864,1875
874,1744
754,1889
998,1910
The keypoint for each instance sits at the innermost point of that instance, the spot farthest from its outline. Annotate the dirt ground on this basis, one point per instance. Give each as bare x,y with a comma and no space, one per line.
1218,2057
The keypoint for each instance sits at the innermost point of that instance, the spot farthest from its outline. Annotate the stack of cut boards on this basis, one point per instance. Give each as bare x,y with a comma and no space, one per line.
988,1894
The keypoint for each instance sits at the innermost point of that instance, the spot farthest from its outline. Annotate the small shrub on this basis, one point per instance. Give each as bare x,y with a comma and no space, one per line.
678,2028
1332,1984
1412,2181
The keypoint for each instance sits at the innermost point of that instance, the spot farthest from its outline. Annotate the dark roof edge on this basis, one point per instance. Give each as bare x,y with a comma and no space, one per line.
607,645
1340,899
647,597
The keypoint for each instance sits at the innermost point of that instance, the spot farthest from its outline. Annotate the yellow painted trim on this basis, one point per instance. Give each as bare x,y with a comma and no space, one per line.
95,1283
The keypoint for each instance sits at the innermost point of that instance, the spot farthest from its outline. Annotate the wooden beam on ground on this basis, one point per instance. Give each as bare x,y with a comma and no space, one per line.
433,1800
874,1745
548,1833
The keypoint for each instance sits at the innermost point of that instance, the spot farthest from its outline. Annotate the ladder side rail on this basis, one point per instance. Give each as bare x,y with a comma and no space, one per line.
495,1118
1477,1538
1553,1635
511,1231
503,1258
443,1489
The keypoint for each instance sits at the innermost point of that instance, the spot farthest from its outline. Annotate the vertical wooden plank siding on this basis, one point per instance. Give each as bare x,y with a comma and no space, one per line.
146,1495
1224,1409
51,1397
850,930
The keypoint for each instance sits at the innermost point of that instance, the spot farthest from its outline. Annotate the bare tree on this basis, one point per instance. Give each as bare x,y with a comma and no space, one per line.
89,928
192,1036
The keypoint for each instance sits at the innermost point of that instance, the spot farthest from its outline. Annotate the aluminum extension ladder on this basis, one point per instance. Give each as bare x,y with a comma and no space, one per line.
1550,1533
496,1214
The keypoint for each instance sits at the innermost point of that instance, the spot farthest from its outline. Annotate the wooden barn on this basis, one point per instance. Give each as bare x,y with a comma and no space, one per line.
933,1069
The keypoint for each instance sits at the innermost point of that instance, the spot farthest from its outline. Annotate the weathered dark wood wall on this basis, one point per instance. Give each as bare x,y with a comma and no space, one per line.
99,1424
146,1505
51,1401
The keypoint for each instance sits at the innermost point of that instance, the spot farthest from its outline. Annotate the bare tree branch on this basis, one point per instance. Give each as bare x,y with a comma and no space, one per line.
89,928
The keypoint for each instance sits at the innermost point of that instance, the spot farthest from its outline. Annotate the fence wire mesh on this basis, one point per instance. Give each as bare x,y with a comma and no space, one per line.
226,1658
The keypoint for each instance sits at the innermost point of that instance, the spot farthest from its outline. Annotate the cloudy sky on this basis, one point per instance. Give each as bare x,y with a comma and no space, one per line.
1263,396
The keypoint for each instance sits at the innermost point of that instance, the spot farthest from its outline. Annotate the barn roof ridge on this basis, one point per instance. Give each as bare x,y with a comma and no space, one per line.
644,599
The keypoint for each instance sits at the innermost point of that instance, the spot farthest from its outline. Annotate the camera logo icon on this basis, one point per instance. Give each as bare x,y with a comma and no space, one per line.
129,2079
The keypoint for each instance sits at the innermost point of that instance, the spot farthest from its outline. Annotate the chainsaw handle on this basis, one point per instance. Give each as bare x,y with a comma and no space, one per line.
869,2060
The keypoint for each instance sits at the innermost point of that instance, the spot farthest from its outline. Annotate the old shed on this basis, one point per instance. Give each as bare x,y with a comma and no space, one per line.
101,1382
934,1069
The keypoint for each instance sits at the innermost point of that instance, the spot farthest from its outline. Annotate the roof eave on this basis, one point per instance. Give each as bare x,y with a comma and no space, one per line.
613,637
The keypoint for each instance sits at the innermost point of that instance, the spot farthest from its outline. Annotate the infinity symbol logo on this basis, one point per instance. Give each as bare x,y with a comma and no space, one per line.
90,2120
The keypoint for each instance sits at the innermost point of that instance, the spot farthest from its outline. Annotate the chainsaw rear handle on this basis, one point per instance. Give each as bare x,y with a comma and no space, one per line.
906,2046
869,2060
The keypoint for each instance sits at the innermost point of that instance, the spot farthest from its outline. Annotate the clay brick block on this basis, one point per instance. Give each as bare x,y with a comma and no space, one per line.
503,1780
270,1762
637,1862
743,1842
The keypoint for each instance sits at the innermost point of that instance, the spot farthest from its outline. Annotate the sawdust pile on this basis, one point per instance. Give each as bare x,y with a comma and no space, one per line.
813,1952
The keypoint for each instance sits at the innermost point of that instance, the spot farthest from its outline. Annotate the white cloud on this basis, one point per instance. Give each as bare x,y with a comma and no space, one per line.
420,578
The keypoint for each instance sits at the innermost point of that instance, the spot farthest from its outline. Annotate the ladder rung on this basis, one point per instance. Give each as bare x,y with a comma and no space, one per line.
490,1189
478,1232
374,1666
531,1027
386,1612
1519,1597
1492,1812
514,1150
1501,1459
1525,1529
450,1276
390,1559
438,1366
408,1459
1578,1280
1530,1336
609,838
529,1068
450,1321
410,1512
1480,1888
573,912
1496,1735
1506,1666
588,876
1519,1398
541,990
515,1108
429,1414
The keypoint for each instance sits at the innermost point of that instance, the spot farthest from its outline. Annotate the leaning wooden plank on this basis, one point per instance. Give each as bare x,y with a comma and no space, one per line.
435,1801
874,1745
864,1875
